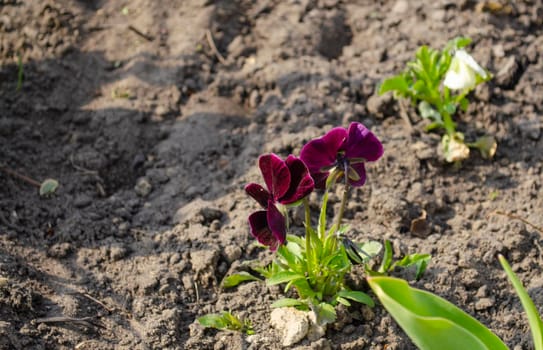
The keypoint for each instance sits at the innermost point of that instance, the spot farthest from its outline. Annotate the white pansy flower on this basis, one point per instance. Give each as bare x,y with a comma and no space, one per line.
463,71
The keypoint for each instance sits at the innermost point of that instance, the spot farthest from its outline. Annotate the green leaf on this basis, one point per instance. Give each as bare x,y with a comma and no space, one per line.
428,112
430,321
464,104
237,278
419,260
372,248
534,319
343,301
433,126
357,296
450,108
285,302
325,313
48,187
283,277
387,258
213,321
396,83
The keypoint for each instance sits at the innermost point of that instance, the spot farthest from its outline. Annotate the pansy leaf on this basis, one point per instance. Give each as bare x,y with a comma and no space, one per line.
357,296
325,313
237,278
286,302
283,277
397,84
343,301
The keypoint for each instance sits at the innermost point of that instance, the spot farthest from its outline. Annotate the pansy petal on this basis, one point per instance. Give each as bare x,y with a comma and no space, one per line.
275,173
276,223
362,143
260,230
360,169
301,183
259,193
322,152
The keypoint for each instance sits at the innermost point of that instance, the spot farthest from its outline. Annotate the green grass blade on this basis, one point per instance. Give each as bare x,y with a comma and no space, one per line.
430,321
534,320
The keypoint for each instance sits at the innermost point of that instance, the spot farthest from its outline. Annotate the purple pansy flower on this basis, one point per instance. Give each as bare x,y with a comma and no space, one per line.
343,149
287,182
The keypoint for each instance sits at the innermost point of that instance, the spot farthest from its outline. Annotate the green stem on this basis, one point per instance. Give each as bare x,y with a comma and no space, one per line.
448,123
308,251
343,205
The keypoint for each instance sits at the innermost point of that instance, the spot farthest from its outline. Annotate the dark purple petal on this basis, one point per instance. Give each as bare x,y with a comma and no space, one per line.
301,183
259,193
260,230
362,143
275,173
361,171
321,153
276,223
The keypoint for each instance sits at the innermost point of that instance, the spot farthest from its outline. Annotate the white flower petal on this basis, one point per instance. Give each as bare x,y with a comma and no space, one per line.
467,59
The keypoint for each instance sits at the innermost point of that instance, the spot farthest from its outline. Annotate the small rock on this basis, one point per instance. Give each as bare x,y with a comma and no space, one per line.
143,187
117,252
401,6
232,253
82,201
202,259
380,106
510,73
484,303
60,250
291,323
254,99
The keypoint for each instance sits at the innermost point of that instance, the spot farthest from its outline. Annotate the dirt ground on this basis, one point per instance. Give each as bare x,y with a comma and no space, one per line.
152,134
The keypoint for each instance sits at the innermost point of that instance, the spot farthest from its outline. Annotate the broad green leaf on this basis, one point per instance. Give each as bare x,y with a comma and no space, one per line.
430,321
285,302
48,187
237,278
357,296
283,277
534,319
396,83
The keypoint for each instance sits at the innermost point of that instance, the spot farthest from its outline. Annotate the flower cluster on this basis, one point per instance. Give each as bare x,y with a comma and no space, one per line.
340,151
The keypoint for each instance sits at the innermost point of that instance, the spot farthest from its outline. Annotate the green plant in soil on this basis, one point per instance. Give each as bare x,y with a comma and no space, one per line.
438,84
316,264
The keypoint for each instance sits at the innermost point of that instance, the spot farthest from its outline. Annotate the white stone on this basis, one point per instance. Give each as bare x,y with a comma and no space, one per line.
291,323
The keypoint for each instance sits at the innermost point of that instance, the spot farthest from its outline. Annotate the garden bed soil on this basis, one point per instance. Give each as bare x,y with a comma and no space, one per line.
152,114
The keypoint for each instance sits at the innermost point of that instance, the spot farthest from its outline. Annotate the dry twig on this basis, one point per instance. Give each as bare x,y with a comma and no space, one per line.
211,43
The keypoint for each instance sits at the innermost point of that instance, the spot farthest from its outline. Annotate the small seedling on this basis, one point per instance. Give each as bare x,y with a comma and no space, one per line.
438,83
226,320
